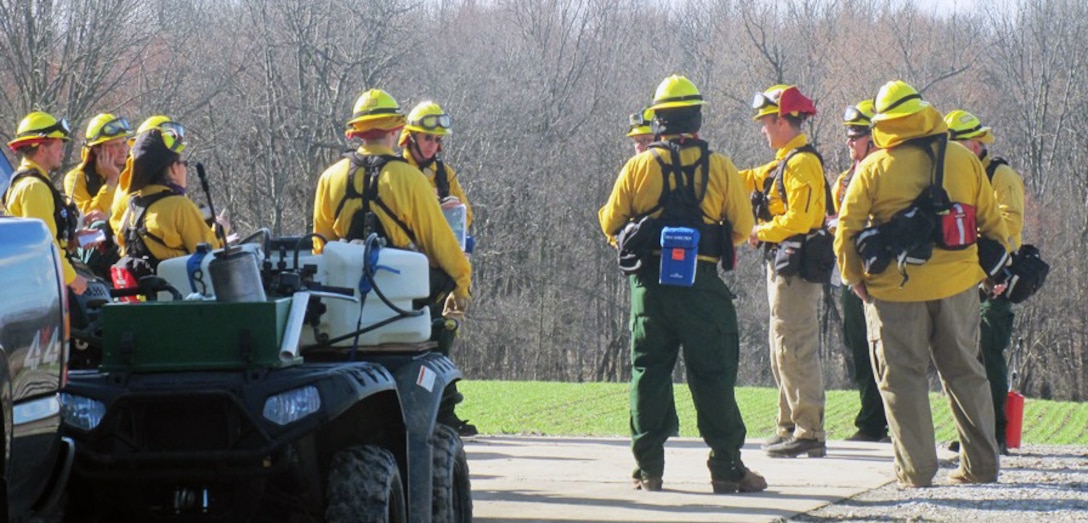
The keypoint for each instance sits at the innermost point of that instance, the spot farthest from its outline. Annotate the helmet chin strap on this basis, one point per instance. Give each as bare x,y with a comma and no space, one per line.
418,154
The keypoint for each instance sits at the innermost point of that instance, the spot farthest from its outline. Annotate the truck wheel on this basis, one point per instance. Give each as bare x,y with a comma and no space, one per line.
364,486
452,499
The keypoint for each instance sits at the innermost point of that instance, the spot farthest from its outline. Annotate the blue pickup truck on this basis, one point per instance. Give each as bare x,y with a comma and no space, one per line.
34,459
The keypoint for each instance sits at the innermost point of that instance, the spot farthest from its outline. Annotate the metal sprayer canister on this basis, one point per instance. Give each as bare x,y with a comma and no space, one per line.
236,276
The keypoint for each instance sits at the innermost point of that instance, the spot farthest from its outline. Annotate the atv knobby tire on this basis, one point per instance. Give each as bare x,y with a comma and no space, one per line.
364,486
452,500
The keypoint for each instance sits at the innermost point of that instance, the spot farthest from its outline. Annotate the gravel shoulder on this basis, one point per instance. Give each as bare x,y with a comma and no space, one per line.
1037,483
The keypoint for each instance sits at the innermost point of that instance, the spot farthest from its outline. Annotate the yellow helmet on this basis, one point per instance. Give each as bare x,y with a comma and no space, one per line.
767,102
106,127
376,109
897,99
37,127
640,123
173,133
676,91
429,118
963,125
858,118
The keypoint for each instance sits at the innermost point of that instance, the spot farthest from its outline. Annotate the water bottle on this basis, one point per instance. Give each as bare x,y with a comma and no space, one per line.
457,216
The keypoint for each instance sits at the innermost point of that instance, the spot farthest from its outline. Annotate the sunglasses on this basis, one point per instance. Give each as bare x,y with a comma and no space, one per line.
430,138
761,100
61,125
852,114
173,136
184,163
431,122
112,129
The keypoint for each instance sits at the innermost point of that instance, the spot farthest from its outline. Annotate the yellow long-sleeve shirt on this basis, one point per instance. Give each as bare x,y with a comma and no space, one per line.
451,178
176,220
408,195
886,182
30,197
1009,191
804,183
640,182
75,186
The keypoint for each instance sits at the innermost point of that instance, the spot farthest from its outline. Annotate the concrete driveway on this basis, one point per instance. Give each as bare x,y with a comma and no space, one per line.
544,479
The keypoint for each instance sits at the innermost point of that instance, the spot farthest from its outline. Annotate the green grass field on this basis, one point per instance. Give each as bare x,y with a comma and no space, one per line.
600,409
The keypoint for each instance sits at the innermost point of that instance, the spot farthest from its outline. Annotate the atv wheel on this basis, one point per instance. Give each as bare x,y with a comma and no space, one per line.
452,499
364,486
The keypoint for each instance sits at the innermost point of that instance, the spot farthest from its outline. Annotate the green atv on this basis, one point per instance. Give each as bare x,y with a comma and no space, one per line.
226,411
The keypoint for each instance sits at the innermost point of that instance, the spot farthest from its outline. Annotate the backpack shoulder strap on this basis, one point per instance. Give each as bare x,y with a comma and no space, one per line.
372,166
780,176
441,179
65,215
991,169
137,229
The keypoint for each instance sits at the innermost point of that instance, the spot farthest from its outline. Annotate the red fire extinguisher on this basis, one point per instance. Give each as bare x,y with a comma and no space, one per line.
1014,403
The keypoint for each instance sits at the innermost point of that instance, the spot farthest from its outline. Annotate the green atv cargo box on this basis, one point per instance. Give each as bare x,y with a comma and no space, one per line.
194,335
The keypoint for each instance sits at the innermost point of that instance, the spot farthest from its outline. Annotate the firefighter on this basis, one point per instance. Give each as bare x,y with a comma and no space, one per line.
421,140
93,183
39,145
374,191
870,421
791,202
997,315
640,130
935,313
161,222
699,318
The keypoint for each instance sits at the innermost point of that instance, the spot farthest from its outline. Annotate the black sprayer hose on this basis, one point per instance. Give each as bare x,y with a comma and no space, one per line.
211,207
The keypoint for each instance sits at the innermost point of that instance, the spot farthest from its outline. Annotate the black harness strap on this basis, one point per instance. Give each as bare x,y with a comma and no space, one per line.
780,176
65,215
372,167
136,230
441,180
994,164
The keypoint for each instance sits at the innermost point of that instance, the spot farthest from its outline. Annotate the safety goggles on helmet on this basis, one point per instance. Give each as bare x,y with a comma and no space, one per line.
61,125
762,100
853,116
112,129
173,136
432,122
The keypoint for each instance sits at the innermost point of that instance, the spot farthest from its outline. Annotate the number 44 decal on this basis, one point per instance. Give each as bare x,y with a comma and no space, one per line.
39,355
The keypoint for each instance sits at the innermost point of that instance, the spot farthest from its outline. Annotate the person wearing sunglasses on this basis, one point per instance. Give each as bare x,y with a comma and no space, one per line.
997,315
933,316
679,182
374,191
160,221
421,140
640,130
788,194
870,421
39,145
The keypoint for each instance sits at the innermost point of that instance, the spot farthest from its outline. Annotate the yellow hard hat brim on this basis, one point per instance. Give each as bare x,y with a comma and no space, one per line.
900,112
680,103
766,111
640,131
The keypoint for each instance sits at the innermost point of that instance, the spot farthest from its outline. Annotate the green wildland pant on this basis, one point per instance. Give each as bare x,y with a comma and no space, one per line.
995,334
870,419
702,320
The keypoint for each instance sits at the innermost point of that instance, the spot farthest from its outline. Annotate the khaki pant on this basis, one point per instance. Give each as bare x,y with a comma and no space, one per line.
903,336
795,355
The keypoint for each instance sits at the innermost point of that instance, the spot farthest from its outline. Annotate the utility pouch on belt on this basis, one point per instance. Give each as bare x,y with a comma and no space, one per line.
1026,274
728,259
875,256
818,256
679,253
992,257
635,242
957,227
787,256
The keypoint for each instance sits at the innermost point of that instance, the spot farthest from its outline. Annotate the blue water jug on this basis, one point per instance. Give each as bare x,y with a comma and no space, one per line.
679,253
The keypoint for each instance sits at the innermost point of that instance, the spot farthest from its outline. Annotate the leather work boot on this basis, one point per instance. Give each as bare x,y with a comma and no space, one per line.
648,483
751,482
867,437
959,477
794,447
773,440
